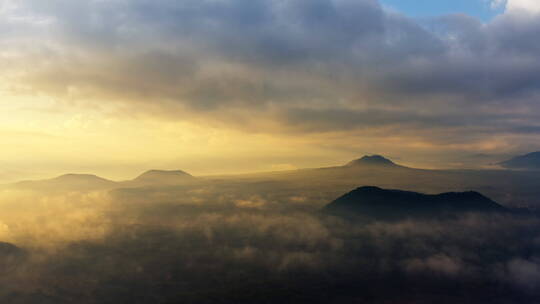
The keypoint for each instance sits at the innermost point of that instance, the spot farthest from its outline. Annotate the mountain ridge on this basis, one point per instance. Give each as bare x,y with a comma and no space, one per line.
378,203
526,161
374,160
163,176
70,181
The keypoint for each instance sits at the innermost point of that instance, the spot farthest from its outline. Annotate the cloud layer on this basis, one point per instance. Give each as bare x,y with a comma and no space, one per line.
285,67
523,5
220,243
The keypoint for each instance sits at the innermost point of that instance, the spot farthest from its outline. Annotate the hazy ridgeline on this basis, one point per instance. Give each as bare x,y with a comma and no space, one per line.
262,239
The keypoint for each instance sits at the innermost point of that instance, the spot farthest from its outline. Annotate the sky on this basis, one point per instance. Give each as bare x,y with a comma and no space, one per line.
119,87
482,9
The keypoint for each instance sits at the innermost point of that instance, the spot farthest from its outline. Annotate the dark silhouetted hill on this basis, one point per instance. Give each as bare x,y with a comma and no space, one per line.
528,161
163,177
372,161
380,203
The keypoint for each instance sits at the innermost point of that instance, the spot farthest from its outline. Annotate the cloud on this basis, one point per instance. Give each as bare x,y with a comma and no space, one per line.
438,264
216,239
267,66
525,273
530,6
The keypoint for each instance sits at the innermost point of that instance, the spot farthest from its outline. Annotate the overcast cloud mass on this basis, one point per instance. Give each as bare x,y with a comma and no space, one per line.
375,78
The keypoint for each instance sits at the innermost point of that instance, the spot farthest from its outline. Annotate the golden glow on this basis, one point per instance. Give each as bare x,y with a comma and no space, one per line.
44,137
43,141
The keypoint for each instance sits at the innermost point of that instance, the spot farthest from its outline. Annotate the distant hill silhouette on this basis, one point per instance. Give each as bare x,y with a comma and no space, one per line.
380,203
90,182
80,178
77,182
372,161
164,177
527,161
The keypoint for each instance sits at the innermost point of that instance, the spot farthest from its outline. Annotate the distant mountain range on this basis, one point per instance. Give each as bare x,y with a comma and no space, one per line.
372,160
528,161
511,187
89,182
163,177
377,203
84,182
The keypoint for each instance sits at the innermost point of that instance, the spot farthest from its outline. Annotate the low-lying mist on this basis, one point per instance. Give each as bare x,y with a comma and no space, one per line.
204,243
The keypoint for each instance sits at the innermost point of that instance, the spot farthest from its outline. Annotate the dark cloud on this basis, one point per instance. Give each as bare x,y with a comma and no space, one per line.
340,60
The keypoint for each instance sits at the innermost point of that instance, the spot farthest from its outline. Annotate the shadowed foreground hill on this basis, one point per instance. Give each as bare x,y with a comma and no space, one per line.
379,203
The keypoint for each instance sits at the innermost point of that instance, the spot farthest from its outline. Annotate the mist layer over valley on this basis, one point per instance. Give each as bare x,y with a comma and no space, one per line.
169,237
207,151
